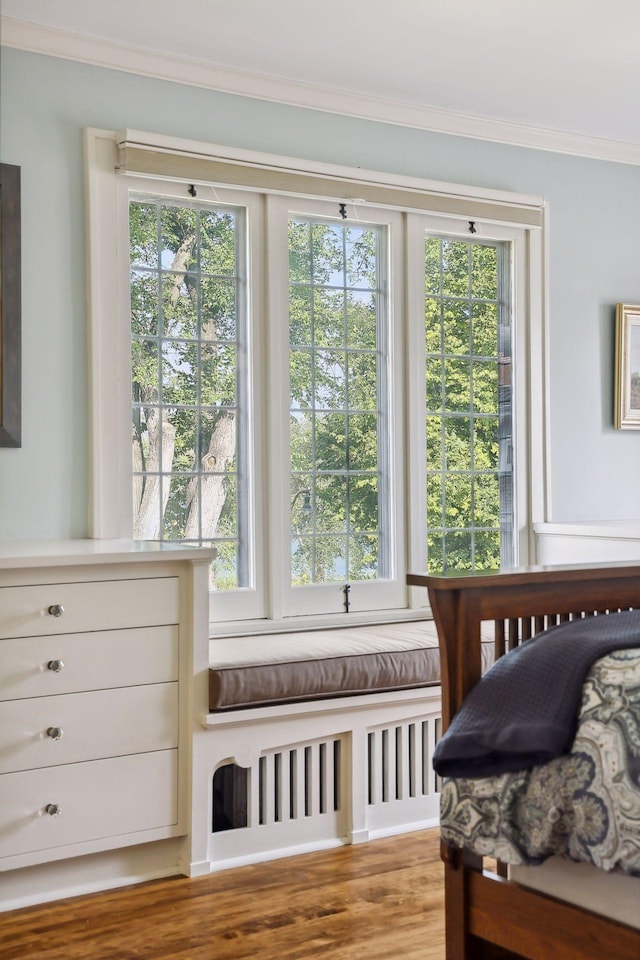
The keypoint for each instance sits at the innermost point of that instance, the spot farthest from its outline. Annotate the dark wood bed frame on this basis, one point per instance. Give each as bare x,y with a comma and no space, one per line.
487,917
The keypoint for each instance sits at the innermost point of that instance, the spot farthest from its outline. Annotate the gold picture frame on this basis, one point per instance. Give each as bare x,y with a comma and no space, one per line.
627,381
10,307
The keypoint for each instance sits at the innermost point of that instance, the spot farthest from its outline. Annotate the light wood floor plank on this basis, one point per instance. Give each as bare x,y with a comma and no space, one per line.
382,900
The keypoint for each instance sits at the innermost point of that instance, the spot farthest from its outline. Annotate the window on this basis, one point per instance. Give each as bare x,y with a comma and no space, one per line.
335,431
339,403
469,404
189,391
330,392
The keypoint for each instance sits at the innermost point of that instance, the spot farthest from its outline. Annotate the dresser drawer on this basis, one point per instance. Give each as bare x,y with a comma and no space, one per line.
67,663
96,800
50,731
96,605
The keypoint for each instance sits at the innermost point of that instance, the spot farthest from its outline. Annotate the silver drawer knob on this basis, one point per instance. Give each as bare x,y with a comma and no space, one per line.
56,610
56,733
53,810
55,666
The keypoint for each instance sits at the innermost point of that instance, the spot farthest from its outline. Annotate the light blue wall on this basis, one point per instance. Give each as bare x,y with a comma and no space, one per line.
594,263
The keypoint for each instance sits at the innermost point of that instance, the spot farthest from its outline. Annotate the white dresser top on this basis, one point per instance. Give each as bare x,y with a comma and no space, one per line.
16,554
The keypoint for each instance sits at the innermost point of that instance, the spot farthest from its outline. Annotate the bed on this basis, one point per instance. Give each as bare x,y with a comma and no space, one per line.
488,913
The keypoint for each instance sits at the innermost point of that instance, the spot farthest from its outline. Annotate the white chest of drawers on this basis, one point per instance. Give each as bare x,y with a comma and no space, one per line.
97,643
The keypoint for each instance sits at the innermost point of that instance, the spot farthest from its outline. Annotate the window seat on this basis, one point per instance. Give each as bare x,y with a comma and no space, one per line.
316,738
324,664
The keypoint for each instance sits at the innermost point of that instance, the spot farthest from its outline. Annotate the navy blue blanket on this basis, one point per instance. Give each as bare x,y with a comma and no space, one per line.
523,712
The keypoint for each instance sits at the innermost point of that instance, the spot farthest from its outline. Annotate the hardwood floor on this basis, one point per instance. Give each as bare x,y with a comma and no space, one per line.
382,900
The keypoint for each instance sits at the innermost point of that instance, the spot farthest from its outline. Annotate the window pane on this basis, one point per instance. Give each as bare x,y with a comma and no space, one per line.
299,252
185,450
330,559
186,353
179,305
487,550
218,309
178,239
328,318
458,551
300,317
144,370
179,372
301,379
225,565
432,318
302,560
330,380
363,504
435,448
457,384
363,441
434,383
217,442
486,499
360,255
485,329
144,304
432,261
362,316
301,441
485,387
363,557
336,386
327,255
363,381
331,441
457,491
217,243
435,507
218,378
457,443
456,326
484,272
143,235
485,446
331,504
176,510
435,551
455,268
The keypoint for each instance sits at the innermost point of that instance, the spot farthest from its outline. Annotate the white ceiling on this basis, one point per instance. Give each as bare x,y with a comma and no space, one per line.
567,66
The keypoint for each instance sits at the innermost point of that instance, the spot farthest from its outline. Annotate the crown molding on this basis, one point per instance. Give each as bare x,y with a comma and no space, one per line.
49,41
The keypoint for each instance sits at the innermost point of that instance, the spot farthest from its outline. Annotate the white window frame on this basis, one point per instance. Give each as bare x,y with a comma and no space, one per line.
328,599
213,169
111,506
418,226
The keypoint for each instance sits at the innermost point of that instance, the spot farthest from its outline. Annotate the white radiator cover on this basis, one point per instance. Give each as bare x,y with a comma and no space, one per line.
320,774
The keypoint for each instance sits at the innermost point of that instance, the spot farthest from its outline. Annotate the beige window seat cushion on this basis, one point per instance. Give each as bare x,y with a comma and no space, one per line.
319,664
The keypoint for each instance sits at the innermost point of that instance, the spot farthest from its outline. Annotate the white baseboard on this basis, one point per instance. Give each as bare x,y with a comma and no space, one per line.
404,828
265,856
93,873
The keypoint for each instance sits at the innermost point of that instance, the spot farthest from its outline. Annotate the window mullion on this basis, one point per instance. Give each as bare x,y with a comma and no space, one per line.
415,472
277,525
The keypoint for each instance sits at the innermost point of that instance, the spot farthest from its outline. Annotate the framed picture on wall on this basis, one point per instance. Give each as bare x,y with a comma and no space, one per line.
627,380
10,317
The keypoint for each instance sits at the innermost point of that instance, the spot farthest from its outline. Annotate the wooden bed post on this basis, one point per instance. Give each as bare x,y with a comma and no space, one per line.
457,619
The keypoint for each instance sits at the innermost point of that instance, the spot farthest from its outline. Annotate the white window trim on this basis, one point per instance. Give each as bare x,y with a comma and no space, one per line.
109,361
